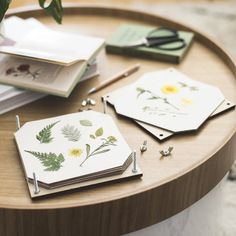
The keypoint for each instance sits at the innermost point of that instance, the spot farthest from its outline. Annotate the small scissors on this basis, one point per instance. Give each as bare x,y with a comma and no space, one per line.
158,37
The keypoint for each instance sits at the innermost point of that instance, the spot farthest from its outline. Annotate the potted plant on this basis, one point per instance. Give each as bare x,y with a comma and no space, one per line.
54,9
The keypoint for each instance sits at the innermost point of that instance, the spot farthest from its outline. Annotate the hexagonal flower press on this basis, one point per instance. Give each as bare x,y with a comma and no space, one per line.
170,100
72,148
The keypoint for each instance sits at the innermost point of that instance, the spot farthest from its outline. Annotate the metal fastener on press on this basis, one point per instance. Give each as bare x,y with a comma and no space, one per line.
165,153
84,103
104,105
134,170
92,102
17,122
36,186
143,147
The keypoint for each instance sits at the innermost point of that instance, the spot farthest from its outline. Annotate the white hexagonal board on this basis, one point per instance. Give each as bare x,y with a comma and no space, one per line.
170,100
71,146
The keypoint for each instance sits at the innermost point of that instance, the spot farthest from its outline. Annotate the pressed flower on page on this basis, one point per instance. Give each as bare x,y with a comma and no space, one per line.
75,152
169,89
23,70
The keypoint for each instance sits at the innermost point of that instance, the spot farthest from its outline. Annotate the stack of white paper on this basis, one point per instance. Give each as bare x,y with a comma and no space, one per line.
35,75
167,102
73,148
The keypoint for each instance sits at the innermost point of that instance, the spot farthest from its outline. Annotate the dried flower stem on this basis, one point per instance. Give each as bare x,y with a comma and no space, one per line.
154,96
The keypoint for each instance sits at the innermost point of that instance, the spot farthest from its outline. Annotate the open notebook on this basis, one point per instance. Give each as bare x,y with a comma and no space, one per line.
72,149
45,60
47,45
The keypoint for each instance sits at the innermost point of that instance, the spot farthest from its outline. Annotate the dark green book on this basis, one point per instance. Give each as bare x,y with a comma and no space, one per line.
126,34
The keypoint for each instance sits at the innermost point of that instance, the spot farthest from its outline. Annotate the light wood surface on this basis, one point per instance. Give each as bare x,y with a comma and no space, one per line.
198,163
20,3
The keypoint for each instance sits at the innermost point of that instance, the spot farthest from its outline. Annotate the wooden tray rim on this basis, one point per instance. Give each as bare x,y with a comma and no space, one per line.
73,8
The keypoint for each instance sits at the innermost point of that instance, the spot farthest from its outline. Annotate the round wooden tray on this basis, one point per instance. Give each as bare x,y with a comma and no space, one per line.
198,163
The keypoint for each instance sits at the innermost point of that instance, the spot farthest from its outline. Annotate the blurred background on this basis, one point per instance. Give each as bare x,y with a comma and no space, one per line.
215,18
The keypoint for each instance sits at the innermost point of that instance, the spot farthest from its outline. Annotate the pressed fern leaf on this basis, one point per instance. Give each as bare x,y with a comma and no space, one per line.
44,136
50,160
71,133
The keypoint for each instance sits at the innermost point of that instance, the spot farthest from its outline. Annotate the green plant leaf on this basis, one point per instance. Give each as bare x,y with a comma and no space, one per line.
54,9
100,149
92,136
50,160
99,132
4,5
71,133
193,88
103,151
44,136
85,122
87,149
112,139
146,108
140,91
182,84
151,98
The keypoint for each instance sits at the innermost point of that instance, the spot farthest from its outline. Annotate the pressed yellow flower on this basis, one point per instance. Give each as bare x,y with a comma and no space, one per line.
168,89
186,101
75,152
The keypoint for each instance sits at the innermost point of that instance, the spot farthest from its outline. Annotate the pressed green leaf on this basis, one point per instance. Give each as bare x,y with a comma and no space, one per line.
152,98
71,133
111,139
103,151
99,132
87,149
140,91
44,136
182,84
54,9
50,160
61,157
146,108
193,88
85,122
92,136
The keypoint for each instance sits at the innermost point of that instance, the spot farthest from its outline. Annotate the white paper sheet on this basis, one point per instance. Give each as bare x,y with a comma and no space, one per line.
76,136
54,46
170,100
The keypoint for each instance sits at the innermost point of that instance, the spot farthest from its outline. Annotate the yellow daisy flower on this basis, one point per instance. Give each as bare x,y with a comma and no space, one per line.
75,152
168,89
186,101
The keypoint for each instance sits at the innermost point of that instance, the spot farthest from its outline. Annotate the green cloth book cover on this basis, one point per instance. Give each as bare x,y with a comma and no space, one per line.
126,34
